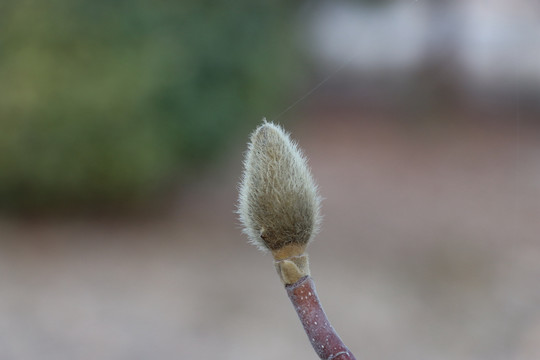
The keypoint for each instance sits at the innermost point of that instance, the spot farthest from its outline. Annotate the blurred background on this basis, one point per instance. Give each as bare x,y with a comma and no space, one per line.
122,131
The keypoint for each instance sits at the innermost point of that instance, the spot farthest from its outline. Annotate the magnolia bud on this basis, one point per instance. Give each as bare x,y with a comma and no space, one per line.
278,202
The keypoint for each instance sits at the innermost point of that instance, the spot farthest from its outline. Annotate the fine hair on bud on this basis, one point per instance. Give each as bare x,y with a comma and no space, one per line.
278,202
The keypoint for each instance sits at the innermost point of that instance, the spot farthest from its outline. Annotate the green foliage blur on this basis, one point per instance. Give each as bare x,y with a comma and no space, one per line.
105,101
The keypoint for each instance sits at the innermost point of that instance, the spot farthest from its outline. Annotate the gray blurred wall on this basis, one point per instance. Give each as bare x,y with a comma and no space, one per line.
490,44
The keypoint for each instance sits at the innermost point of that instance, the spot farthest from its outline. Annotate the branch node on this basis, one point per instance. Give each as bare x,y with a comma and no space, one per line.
293,269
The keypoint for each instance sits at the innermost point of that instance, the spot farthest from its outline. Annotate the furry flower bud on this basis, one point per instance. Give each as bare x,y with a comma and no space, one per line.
278,202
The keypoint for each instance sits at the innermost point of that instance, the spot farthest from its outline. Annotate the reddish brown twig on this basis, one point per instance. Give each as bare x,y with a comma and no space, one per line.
322,335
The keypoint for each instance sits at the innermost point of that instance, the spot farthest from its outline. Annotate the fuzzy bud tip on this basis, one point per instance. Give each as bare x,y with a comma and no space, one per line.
278,203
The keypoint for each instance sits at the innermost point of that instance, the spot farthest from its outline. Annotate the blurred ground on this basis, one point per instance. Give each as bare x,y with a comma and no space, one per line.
429,250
